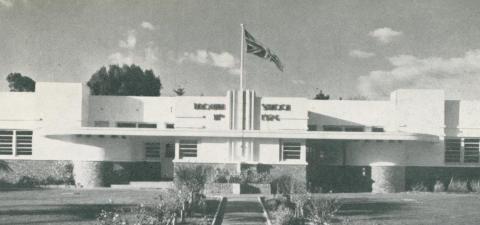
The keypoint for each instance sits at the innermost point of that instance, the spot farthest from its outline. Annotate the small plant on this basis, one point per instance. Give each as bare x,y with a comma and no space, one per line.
458,186
322,211
419,187
438,187
475,186
254,177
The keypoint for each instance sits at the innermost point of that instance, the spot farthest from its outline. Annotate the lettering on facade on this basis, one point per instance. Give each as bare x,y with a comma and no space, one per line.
204,106
277,107
218,116
270,117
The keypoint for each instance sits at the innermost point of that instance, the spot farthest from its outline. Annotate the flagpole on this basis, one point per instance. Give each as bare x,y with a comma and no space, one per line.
242,56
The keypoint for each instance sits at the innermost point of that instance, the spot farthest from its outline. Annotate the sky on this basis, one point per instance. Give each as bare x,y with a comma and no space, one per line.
347,48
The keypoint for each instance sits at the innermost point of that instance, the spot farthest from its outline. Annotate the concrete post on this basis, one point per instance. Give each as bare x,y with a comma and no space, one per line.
88,174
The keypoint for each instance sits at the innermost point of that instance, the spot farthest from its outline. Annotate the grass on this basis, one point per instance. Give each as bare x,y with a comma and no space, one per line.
66,206
408,208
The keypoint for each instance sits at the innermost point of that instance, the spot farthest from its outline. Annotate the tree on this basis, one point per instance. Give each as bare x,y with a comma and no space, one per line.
19,83
321,96
125,80
179,91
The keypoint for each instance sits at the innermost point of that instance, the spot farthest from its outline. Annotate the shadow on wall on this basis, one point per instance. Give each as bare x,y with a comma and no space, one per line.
321,119
116,109
452,117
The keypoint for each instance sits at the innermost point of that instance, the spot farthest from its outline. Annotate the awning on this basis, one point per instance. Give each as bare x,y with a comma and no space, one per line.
283,134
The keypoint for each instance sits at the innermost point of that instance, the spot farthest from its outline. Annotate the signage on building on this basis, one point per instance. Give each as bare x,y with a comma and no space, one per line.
205,106
277,107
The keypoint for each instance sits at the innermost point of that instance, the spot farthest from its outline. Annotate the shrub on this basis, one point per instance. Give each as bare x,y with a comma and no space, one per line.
322,211
254,177
27,182
286,184
285,216
193,178
438,187
419,187
475,186
458,186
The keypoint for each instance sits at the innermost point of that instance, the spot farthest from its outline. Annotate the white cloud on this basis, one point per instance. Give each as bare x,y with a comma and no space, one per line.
459,76
222,60
385,35
6,3
120,58
147,25
130,42
361,54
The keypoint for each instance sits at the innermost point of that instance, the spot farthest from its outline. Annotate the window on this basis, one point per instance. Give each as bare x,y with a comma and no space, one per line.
291,150
147,125
6,142
452,150
152,150
24,142
378,129
101,124
22,145
470,153
312,127
354,129
170,150
126,124
170,126
332,128
188,148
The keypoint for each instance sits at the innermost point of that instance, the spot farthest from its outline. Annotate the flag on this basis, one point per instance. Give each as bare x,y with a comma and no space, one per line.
254,47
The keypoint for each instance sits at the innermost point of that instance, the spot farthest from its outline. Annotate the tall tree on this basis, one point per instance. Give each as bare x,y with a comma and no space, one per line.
19,83
179,91
125,80
321,96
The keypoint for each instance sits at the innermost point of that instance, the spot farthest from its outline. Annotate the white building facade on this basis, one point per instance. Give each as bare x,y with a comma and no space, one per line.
380,142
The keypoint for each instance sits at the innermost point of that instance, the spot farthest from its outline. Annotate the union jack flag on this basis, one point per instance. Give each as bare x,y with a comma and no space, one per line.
256,48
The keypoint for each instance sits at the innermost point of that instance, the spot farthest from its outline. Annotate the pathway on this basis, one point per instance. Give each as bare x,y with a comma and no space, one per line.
243,210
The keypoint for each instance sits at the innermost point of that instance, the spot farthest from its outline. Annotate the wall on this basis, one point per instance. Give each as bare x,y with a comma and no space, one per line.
419,111
461,118
187,117
346,112
159,110
363,153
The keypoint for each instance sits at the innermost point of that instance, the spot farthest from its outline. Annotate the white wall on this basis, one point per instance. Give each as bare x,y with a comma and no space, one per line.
346,112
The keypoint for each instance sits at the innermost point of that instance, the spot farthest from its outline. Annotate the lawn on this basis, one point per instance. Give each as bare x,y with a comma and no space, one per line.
66,206
409,208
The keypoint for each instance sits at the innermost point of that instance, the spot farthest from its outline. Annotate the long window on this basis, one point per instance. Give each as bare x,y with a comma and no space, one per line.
291,150
464,150
18,142
152,150
188,148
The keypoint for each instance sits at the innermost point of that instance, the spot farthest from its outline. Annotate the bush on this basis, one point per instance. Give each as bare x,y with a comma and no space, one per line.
193,178
285,216
419,187
475,186
322,211
27,182
254,177
438,187
458,186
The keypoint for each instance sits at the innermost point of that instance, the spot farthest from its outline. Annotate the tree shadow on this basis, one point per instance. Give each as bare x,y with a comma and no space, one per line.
57,213
368,207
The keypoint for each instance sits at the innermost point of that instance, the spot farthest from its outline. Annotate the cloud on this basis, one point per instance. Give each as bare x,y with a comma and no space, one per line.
147,25
120,58
459,76
130,42
6,3
361,54
384,35
222,60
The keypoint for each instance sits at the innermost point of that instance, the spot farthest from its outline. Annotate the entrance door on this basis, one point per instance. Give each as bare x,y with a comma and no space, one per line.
166,161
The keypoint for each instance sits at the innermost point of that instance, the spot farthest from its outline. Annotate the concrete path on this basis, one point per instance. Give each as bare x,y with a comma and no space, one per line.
243,210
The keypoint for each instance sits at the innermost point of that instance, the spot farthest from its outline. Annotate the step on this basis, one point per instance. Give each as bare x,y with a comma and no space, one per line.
152,184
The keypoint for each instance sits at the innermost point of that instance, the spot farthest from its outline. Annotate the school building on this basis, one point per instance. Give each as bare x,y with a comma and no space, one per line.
379,146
